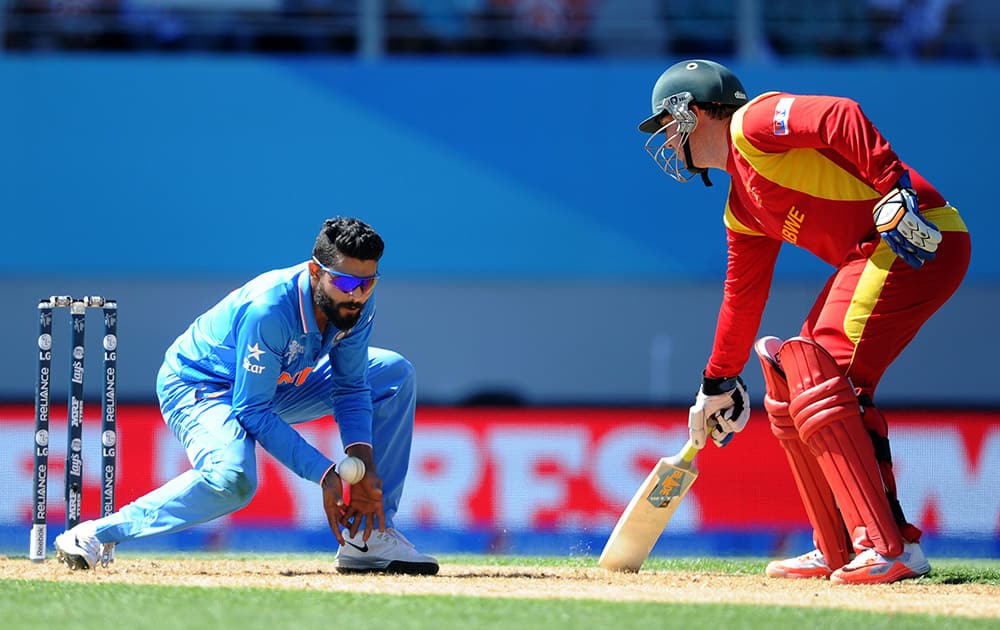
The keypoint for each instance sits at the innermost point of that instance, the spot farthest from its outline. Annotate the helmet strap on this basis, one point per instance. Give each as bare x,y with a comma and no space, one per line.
691,168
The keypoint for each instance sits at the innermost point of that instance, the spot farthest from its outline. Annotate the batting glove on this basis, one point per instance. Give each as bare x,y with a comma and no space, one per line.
900,224
721,408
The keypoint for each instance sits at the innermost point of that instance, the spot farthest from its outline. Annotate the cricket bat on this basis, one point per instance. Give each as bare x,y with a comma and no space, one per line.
649,511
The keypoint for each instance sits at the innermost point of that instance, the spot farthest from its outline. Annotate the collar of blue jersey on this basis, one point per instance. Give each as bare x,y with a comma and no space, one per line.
306,313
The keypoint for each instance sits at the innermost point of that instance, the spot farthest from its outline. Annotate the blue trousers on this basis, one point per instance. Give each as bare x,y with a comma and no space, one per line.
224,474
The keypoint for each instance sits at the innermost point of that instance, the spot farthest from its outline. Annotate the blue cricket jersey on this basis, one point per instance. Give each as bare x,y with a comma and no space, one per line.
262,339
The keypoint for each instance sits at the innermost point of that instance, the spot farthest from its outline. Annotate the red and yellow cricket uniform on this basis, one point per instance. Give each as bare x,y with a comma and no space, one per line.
808,170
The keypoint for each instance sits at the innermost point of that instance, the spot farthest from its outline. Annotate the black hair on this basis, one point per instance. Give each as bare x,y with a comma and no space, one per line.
344,236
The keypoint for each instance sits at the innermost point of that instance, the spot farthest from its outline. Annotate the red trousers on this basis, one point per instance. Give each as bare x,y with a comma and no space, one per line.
875,303
872,307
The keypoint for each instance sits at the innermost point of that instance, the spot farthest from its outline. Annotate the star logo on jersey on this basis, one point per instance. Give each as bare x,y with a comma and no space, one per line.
255,351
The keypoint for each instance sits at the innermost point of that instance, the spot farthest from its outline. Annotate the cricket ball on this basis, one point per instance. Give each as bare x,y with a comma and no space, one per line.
351,470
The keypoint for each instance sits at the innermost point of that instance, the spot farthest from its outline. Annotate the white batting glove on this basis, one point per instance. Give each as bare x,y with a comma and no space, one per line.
722,408
900,224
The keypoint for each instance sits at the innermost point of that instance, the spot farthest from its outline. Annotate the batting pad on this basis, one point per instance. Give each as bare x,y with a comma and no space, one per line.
829,532
827,414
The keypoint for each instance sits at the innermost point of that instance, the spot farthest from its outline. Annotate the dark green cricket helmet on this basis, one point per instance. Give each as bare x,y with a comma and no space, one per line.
707,81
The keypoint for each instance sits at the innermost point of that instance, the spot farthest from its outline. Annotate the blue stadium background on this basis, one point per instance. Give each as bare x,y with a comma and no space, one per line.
528,232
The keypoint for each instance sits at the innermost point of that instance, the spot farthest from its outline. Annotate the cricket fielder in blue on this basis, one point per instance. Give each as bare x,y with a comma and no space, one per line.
288,347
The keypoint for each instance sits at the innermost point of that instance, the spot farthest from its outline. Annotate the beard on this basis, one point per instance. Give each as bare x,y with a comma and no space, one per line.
335,311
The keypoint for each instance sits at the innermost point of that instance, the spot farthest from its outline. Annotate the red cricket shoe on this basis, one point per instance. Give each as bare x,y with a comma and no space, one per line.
808,565
871,567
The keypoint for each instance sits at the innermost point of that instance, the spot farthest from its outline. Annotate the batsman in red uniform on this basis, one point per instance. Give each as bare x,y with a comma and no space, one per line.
814,171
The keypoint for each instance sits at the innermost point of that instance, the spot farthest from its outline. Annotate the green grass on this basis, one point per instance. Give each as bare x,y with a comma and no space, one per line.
945,571
106,606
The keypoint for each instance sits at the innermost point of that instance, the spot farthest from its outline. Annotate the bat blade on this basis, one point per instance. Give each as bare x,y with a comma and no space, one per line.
649,511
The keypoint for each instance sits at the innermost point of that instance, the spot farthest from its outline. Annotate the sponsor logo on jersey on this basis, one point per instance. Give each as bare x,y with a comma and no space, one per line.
298,378
781,111
253,354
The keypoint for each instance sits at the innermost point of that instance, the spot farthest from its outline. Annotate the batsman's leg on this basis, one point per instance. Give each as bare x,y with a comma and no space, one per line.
833,548
827,414
878,431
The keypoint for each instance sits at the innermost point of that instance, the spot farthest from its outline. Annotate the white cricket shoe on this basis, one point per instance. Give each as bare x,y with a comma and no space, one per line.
871,567
384,552
808,566
78,547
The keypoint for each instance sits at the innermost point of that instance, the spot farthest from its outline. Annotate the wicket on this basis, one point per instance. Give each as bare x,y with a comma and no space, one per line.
74,452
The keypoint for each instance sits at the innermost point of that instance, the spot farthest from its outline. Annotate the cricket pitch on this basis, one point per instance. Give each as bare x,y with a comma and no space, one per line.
965,600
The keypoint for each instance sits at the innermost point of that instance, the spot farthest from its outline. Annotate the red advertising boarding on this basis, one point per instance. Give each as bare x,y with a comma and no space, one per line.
544,469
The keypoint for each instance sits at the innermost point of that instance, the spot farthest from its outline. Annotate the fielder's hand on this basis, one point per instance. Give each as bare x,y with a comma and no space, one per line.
365,505
722,407
365,502
900,224
333,502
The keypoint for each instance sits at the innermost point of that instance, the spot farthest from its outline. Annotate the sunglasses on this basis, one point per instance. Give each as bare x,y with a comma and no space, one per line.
346,282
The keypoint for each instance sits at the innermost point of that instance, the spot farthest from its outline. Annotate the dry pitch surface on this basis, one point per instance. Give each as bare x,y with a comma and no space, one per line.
967,600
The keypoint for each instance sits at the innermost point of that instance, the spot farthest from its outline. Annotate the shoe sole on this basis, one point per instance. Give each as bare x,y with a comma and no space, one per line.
395,567
797,574
75,561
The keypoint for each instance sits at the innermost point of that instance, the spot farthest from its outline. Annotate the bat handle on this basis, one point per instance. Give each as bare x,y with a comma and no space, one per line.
688,451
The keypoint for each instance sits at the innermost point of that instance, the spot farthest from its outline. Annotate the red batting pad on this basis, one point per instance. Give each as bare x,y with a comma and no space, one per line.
829,531
828,417
776,389
830,534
